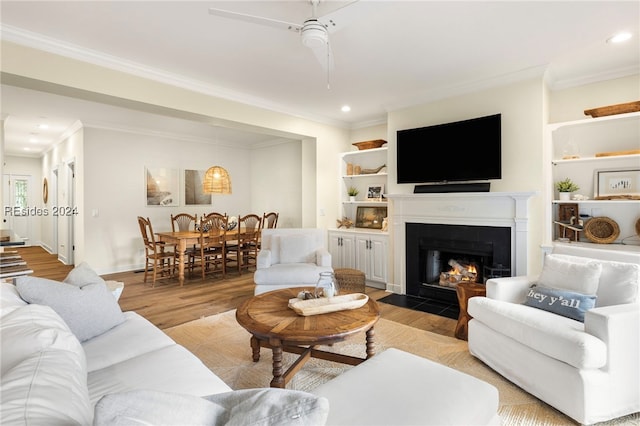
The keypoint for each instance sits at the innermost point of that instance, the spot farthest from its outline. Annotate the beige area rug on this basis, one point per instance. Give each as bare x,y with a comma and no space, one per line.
223,346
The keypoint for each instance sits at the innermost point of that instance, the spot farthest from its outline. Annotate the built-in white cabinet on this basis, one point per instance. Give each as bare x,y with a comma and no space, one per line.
342,249
579,150
366,251
371,256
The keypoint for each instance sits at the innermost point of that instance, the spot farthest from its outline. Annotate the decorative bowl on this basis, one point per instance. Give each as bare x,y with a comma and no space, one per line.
369,144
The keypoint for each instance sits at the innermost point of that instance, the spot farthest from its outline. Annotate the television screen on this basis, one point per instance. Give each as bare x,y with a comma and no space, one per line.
468,150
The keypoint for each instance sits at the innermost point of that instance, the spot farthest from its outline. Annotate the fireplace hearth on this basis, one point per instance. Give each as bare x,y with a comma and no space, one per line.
439,256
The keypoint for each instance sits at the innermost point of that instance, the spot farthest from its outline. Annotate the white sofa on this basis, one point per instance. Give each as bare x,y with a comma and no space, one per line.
588,370
133,373
291,257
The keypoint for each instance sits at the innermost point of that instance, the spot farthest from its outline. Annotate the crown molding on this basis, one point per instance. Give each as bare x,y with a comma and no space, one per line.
68,50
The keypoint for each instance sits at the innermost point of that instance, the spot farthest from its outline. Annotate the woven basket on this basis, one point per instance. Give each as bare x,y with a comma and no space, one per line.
350,280
601,230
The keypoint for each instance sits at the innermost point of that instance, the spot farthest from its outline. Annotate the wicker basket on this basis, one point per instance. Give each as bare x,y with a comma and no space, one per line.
350,280
601,230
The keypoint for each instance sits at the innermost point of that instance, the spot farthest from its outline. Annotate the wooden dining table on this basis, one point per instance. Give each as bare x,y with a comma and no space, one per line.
184,238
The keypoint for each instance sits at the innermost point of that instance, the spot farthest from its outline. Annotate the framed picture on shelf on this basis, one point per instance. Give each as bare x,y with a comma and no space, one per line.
374,192
370,217
617,183
193,194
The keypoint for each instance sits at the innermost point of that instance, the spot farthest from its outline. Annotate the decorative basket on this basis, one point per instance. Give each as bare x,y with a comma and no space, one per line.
601,230
350,280
370,144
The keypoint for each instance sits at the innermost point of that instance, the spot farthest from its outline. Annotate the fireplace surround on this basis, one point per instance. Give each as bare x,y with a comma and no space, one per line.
506,210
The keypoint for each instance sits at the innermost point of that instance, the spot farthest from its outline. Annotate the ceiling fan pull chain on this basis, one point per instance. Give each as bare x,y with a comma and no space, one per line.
328,67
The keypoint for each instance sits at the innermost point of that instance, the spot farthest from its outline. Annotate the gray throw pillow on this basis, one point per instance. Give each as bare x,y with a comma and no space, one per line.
82,275
250,407
88,311
562,302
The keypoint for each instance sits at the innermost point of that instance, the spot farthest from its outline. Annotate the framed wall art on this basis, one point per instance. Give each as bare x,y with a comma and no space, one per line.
374,192
370,217
162,186
193,194
617,183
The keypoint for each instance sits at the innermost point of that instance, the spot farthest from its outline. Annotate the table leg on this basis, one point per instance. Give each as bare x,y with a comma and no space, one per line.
278,373
371,347
255,348
182,248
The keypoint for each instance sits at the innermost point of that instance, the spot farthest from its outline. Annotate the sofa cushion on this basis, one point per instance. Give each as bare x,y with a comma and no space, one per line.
619,281
562,302
572,276
556,336
88,311
30,329
114,345
83,275
169,369
297,249
242,407
48,387
9,297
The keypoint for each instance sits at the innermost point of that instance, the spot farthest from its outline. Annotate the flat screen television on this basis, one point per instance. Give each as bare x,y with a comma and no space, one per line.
468,150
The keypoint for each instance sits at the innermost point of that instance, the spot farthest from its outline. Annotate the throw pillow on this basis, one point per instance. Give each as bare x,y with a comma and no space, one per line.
265,406
82,275
619,282
573,276
88,311
297,249
566,303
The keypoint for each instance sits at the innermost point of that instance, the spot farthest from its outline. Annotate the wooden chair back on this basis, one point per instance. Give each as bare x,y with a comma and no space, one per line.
269,220
183,222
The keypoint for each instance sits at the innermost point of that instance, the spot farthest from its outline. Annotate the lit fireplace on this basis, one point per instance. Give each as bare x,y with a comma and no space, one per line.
439,257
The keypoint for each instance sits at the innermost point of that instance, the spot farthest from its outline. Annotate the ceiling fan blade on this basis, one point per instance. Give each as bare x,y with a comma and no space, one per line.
255,19
342,16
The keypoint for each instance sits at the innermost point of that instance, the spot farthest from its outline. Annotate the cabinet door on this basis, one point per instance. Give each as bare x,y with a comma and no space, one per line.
362,255
378,259
341,249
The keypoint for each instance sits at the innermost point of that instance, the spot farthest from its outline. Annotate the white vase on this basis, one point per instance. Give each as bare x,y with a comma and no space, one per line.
565,196
352,198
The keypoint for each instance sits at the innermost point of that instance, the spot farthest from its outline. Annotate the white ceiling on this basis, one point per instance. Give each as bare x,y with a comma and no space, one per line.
388,54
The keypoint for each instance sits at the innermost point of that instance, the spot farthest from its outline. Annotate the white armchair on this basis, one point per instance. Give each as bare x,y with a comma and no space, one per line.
291,257
588,370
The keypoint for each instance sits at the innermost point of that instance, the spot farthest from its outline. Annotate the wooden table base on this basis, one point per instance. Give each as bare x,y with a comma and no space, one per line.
281,377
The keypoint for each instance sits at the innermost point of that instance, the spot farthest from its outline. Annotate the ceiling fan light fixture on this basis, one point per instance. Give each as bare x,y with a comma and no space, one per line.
314,34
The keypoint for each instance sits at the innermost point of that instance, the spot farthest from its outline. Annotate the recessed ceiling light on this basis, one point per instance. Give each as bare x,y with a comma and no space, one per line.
43,126
345,108
33,140
619,38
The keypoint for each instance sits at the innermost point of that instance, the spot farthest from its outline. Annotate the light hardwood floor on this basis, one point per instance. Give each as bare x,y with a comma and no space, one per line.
167,304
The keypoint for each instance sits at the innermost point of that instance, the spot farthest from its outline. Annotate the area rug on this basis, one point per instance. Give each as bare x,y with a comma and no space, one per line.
223,346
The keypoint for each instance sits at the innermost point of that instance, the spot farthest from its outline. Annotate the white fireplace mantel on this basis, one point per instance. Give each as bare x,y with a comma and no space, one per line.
505,209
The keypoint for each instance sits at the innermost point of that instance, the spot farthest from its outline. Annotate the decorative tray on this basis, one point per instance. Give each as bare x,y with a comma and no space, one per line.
325,305
369,144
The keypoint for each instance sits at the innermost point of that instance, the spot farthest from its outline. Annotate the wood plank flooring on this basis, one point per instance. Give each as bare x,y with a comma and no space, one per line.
167,304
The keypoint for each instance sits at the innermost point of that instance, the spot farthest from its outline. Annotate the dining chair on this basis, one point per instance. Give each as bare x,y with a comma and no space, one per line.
245,249
183,222
270,220
158,256
210,254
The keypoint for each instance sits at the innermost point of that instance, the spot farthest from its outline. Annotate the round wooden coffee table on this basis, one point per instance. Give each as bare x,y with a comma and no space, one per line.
274,325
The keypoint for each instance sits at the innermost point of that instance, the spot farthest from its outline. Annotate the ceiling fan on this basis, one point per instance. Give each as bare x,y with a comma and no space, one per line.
314,31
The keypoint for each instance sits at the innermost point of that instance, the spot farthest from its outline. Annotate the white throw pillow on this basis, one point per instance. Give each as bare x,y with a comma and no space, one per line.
297,249
619,281
83,275
567,275
88,311
30,329
267,406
